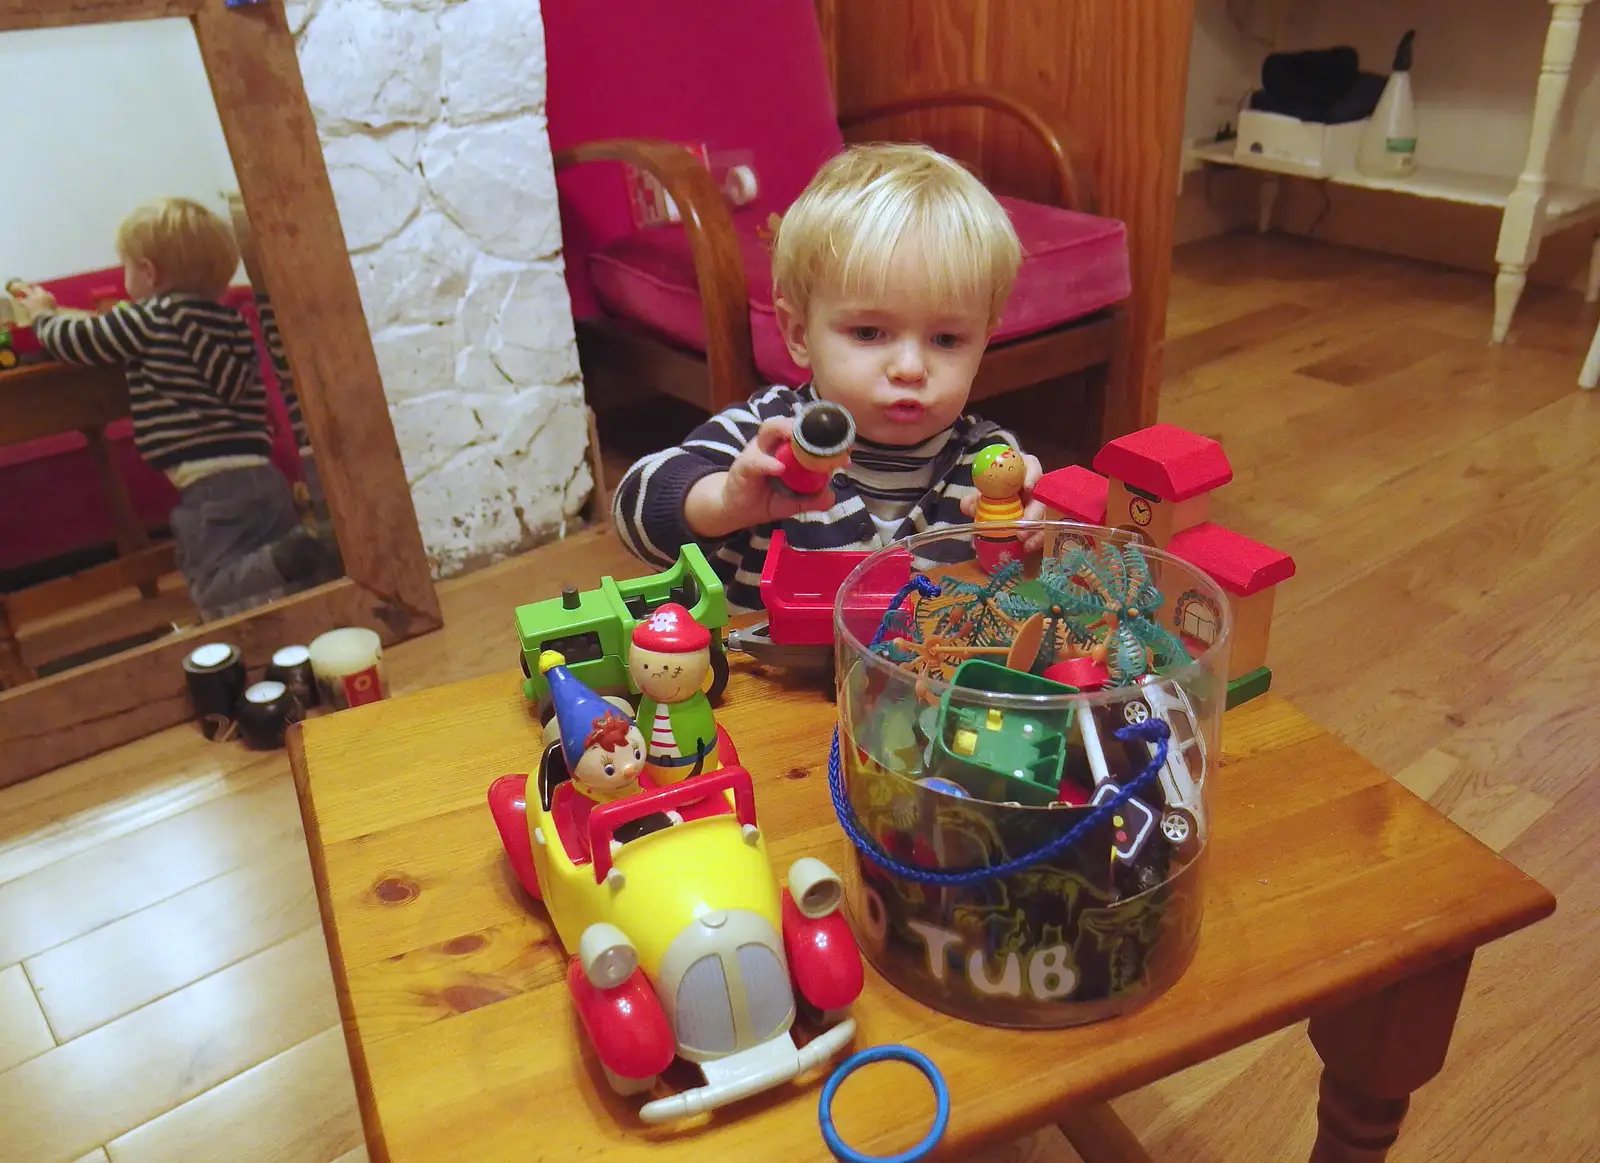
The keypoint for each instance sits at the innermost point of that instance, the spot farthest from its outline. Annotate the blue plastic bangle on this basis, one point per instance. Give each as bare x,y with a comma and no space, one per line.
922,1062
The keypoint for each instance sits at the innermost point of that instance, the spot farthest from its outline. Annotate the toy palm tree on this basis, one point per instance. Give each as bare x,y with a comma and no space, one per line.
1102,603
1111,587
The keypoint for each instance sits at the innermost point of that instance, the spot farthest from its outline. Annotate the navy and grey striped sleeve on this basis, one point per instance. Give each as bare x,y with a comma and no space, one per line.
648,506
118,336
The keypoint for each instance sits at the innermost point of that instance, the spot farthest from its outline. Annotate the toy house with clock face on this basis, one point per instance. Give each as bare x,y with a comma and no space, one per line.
1158,482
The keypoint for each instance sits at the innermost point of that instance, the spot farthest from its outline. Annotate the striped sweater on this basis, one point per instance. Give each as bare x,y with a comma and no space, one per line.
194,387
885,493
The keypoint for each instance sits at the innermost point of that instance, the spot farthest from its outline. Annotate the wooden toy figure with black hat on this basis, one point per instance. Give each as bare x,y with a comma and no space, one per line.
603,749
998,473
823,435
669,659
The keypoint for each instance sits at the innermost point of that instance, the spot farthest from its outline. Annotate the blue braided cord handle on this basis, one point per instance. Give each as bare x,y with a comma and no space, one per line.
922,585
1151,731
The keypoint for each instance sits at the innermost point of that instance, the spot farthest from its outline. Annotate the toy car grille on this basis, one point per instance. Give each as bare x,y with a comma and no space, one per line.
766,989
704,1017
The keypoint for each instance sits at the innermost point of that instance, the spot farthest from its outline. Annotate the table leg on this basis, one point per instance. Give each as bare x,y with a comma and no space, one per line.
14,670
1098,1135
1522,224
131,535
1375,1052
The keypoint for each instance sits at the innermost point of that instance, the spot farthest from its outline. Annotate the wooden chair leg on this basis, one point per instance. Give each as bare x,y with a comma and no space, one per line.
131,535
1099,1136
14,670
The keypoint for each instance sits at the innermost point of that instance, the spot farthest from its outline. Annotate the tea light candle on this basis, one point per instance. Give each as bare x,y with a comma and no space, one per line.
348,663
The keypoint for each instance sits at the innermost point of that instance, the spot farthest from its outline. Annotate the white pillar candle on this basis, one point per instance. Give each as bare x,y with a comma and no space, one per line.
348,663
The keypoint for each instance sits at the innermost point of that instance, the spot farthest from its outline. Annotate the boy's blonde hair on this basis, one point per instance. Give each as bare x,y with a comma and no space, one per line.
192,249
841,233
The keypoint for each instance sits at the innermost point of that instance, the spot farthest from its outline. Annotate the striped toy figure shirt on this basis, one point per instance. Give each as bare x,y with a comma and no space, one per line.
662,744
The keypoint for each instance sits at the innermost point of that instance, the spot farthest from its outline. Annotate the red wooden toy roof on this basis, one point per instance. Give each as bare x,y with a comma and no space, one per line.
1169,462
1239,565
1075,492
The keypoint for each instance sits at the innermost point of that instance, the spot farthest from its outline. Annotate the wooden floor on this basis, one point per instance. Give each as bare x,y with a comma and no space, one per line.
164,990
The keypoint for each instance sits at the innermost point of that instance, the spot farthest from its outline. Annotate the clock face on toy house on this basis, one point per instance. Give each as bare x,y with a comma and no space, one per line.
1140,511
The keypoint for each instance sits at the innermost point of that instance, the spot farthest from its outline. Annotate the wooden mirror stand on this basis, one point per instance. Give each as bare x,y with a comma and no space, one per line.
250,59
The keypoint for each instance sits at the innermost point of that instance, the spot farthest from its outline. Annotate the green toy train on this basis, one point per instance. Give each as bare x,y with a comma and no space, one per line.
592,629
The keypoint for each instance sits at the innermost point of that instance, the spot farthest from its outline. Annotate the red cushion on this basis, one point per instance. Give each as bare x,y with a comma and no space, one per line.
729,74
1073,264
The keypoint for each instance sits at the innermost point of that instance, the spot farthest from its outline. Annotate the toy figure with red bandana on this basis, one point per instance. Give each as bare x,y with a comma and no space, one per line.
669,660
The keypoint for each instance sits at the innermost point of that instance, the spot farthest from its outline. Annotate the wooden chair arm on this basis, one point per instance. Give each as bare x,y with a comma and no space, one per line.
718,264
1074,177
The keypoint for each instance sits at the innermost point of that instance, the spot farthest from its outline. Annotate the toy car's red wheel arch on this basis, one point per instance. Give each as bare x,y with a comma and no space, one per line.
508,804
823,958
626,1023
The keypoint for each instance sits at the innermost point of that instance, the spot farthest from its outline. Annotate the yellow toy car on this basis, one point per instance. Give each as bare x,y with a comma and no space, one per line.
681,942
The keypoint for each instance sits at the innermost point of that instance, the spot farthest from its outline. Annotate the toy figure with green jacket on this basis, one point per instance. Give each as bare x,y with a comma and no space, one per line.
669,659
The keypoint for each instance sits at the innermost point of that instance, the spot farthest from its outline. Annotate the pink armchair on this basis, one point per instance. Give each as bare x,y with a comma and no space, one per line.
687,309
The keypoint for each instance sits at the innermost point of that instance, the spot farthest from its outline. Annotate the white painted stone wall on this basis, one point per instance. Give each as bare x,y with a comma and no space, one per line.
432,121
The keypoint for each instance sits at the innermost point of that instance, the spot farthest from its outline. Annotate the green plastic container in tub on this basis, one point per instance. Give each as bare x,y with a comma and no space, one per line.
1022,766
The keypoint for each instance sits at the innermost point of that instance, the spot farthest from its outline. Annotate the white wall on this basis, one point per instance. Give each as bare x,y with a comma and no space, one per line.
432,123
96,120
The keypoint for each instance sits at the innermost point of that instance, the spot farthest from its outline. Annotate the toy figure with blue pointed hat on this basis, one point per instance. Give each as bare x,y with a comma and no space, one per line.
604,750
669,659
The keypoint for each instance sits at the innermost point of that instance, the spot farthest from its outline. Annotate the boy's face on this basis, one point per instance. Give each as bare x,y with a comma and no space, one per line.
902,364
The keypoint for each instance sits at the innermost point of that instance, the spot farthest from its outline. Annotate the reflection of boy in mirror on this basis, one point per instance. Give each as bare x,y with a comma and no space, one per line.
199,407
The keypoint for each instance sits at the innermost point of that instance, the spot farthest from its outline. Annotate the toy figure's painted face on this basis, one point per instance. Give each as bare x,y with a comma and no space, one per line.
613,756
668,678
1004,476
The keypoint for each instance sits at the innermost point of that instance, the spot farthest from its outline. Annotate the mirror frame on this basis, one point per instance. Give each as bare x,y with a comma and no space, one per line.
250,60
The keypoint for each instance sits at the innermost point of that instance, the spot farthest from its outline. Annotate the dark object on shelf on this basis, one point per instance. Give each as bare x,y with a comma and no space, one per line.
1321,85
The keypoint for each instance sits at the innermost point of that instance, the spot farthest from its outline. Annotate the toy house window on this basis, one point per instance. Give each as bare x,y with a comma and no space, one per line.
1197,618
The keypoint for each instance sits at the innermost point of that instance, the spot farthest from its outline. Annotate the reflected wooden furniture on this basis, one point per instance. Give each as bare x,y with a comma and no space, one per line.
1333,893
44,399
250,60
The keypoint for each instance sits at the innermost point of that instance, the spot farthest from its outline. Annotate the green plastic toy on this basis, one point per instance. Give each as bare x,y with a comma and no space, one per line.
592,629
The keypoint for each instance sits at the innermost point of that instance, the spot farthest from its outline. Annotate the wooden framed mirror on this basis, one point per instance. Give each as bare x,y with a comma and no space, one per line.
294,252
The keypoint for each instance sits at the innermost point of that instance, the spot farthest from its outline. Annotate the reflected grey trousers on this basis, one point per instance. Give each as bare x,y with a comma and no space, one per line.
225,526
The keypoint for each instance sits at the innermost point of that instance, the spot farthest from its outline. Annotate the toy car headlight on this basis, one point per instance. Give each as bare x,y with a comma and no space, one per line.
816,888
607,956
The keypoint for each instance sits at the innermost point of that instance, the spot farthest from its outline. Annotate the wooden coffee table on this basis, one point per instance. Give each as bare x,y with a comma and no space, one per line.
1333,893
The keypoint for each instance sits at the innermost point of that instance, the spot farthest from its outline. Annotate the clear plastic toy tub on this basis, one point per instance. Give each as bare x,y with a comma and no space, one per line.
1022,764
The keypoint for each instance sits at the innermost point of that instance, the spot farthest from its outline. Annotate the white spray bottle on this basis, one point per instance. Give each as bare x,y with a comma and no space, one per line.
1389,145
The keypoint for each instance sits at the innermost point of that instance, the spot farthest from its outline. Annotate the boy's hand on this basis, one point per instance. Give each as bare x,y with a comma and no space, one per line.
743,496
35,298
1032,510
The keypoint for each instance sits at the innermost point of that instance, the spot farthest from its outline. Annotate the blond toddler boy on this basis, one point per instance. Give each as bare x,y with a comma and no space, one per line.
890,273
198,404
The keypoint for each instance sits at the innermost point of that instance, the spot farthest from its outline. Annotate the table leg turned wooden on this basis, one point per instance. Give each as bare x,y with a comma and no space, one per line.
1375,1052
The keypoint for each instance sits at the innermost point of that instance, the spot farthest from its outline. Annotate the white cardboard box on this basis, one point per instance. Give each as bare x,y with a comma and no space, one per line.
1318,149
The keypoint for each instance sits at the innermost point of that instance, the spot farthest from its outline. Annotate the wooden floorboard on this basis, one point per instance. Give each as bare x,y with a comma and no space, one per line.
1440,497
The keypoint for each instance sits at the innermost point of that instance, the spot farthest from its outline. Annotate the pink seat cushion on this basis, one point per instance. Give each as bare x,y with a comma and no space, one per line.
1073,265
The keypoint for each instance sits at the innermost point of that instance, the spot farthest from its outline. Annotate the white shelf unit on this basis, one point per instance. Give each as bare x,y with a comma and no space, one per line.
1530,205
1564,205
